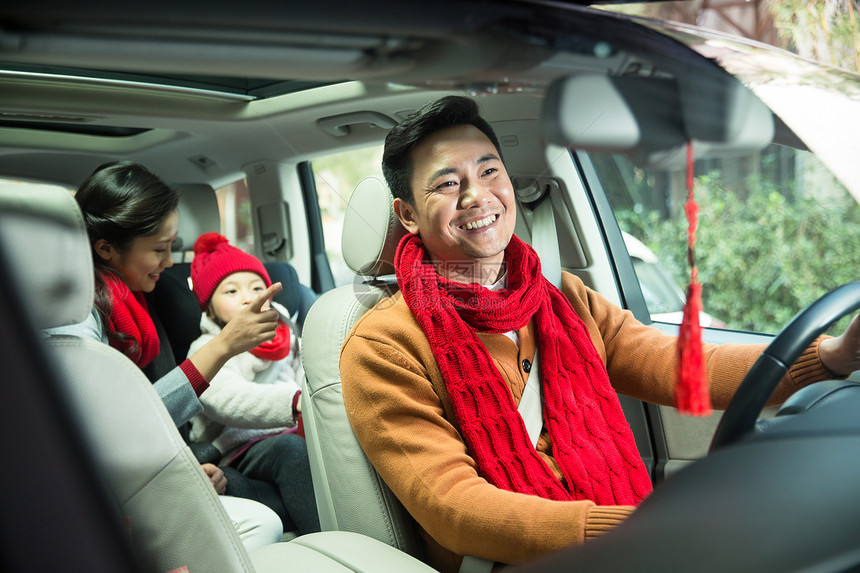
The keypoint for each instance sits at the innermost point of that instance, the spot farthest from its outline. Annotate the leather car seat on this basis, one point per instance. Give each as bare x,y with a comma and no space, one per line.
172,513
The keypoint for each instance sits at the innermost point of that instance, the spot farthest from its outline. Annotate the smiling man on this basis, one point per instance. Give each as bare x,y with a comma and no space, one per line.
463,203
483,395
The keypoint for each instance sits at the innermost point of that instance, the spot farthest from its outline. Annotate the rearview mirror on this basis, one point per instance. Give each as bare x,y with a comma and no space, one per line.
650,119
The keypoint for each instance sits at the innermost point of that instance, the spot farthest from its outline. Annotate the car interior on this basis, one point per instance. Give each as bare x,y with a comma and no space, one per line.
251,101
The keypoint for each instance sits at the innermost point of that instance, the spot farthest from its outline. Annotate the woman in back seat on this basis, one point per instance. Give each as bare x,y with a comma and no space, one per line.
131,219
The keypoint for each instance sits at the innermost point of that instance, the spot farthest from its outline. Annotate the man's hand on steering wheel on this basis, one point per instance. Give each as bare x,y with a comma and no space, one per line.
841,355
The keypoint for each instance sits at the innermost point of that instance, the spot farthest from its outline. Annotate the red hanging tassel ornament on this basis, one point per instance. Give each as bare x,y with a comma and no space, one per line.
691,385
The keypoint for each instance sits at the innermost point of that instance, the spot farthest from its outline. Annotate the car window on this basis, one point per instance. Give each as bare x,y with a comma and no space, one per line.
336,176
776,231
234,205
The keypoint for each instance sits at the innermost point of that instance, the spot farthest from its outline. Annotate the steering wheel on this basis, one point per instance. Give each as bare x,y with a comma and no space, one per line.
767,372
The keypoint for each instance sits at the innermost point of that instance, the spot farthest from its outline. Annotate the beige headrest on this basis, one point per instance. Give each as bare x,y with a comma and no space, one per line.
371,231
198,214
45,242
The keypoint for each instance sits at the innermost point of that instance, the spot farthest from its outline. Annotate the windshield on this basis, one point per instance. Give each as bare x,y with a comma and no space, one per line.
820,105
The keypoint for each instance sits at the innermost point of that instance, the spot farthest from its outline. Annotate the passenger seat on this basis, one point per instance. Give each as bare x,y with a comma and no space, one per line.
173,516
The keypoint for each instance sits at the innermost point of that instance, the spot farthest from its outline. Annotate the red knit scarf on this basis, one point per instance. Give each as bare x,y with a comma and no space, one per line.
277,348
129,315
592,441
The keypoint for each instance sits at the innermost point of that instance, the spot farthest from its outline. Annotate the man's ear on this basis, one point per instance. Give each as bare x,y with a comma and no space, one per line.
406,214
105,250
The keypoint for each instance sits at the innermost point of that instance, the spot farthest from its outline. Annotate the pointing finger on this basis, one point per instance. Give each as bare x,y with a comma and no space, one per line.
257,304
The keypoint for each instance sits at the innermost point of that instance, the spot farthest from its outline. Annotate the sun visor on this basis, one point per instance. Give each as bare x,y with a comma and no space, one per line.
650,118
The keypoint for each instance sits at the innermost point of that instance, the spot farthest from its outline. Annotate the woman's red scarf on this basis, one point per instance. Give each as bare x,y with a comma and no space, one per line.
129,316
592,441
277,348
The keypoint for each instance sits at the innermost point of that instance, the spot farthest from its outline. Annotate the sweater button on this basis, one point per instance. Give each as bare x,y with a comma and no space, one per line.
527,366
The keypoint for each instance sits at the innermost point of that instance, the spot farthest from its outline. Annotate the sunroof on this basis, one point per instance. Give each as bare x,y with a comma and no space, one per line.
253,88
99,130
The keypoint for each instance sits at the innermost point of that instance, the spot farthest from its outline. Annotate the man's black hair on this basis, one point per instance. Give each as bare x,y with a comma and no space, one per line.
448,111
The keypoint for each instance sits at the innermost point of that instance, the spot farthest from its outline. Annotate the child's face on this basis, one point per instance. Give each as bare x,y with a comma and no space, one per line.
234,292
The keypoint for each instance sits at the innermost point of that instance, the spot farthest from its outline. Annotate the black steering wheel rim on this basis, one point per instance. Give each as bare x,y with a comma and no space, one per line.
767,372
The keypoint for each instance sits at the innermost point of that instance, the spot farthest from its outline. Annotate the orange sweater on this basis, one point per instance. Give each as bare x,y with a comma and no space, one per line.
401,414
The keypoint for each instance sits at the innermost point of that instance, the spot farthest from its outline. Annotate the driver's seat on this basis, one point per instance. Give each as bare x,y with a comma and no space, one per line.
350,494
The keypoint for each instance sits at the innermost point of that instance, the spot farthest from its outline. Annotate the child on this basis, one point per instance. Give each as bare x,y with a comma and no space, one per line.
252,404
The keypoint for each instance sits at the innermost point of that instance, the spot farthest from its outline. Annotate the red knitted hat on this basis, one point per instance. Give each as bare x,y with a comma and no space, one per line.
214,259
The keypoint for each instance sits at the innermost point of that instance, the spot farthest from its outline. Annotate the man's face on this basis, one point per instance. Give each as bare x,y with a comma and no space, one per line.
464,209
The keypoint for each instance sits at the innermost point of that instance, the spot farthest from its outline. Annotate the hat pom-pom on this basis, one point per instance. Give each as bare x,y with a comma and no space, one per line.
207,242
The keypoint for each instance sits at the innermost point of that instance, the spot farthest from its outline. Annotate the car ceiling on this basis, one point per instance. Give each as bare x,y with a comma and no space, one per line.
210,132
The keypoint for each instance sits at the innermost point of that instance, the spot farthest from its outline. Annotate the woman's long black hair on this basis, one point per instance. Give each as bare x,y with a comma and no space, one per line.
121,201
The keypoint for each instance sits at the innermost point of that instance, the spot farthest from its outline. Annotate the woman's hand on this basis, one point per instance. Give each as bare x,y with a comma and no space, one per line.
216,476
841,355
254,324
